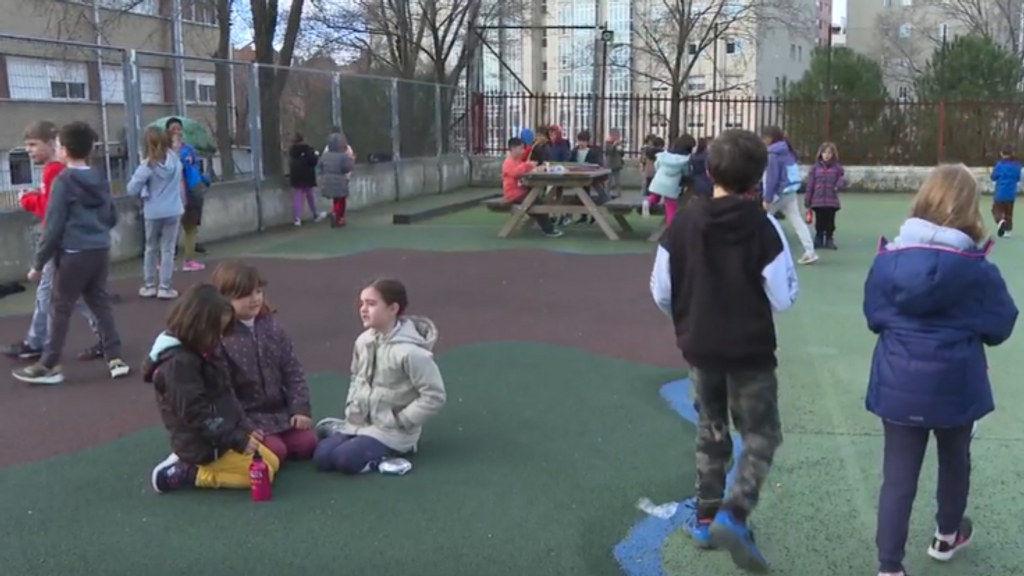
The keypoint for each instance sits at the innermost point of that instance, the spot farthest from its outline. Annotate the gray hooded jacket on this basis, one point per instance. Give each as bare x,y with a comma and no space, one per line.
335,164
79,215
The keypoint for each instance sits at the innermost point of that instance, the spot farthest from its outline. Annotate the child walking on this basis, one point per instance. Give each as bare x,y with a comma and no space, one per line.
824,181
671,170
935,302
211,442
302,176
1006,175
196,186
700,182
653,146
335,169
721,269
395,387
41,145
780,186
159,182
79,216
259,359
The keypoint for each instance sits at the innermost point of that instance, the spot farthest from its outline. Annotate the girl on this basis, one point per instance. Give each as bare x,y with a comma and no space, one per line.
195,190
302,177
335,169
395,386
824,181
654,146
935,302
700,182
159,181
259,360
211,442
780,185
671,168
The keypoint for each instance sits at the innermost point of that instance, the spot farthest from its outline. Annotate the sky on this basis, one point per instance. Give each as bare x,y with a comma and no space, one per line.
838,11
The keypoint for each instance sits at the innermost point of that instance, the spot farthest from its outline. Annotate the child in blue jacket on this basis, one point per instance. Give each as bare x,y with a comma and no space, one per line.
1006,175
935,302
780,185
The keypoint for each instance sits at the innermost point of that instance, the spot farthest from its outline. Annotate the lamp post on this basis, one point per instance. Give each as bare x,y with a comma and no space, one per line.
832,31
607,38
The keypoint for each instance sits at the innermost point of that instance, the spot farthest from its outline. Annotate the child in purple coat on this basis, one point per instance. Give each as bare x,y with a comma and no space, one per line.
824,181
261,364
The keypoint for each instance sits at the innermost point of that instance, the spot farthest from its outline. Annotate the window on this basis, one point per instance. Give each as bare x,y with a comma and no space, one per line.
199,87
886,3
21,168
565,83
906,30
693,49
696,120
734,119
907,2
799,53
696,83
145,7
792,51
943,31
200,12
37,79
659,86
903,94
151,85
733,46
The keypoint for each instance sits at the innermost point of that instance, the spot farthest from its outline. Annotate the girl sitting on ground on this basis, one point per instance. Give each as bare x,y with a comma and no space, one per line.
211,442
394,389
259,359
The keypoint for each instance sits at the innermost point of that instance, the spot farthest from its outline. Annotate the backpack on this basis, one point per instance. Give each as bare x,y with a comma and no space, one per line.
792,179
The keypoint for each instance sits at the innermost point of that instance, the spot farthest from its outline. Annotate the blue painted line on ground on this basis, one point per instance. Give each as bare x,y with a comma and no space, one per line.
639,554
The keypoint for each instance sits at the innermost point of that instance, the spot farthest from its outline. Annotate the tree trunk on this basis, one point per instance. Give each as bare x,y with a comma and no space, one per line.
225,144
270,122
675,107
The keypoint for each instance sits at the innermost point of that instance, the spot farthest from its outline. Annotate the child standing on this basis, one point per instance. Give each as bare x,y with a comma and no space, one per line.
41,144
935,302
259,359
302,177
615,160
79,216
671,167
1006,175
513,168
700,182
649,154
720,270
196,186
211,444
395,387
335,169
159,181
780,186
825,179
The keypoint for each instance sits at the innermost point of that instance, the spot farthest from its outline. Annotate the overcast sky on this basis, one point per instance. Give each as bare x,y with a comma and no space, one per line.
838,10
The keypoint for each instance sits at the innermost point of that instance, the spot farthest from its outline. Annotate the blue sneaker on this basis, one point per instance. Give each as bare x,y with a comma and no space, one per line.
730,534
695,527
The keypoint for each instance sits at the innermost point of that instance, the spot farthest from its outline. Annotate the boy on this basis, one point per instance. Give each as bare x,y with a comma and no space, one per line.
40,143
76,237
585,153
1006,175
615,160
721,268
513,168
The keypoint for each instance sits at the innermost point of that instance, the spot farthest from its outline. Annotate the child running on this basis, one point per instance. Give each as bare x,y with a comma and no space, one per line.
395,387
41,145
721,268
824,181
159,181
211,442
653,146
935,302
671,169
780,186
79,216
335,169
302,177
260,362
1006,176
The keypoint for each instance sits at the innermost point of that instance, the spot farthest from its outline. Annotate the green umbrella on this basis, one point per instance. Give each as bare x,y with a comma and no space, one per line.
193,133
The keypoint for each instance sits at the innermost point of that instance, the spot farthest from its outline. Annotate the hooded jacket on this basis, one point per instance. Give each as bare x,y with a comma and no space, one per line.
782,176
161,187
935,302
559,149
396,385
669,171
302,161
196,402
1006,175
722,267
700,181
334,165
79,215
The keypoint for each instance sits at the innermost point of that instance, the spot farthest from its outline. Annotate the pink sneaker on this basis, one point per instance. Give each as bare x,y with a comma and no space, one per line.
193,266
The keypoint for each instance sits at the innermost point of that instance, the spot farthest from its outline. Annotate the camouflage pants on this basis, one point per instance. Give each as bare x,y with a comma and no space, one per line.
751,398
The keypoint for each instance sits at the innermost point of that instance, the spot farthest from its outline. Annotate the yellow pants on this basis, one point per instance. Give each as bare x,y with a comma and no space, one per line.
231,470
188,242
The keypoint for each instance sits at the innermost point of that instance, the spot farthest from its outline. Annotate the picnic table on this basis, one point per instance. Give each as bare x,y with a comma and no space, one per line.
571,179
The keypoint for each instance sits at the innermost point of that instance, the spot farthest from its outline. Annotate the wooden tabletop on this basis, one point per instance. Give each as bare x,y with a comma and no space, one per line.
571,175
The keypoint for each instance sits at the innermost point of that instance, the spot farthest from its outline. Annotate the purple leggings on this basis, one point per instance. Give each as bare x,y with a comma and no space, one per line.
349,454
297,195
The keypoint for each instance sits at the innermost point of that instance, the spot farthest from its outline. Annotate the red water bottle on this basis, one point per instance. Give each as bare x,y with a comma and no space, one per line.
259,479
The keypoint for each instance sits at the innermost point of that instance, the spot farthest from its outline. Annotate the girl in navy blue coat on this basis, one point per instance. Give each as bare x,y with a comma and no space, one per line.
935,302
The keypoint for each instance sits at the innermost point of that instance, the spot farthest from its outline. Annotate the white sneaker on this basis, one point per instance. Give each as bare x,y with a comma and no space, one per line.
808,258
118,369
320,217
328,427
297,222
645,209
167,294
148,291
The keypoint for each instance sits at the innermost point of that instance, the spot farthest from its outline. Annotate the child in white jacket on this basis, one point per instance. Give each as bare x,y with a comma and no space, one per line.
671,173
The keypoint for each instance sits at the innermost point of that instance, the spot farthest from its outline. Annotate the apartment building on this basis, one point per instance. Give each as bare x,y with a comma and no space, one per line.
73,69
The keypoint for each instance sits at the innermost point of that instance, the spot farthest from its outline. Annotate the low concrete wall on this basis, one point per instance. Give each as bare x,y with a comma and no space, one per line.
232,209
486,171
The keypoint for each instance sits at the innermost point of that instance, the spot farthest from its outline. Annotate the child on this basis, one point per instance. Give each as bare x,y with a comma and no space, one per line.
586,153
335,169
259,359
40,142
1006,175
302,177
559,149
824,181
671,167
196,186
538,151
79,216
700,183
615,160
649,155
211,443
159,181
395,386
513,168
721,268
935,302
780,186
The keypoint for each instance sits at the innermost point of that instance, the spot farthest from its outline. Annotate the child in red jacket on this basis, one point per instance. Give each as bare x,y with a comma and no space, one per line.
40,142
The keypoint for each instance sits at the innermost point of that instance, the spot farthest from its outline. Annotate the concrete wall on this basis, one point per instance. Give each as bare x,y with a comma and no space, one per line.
231,209
486,171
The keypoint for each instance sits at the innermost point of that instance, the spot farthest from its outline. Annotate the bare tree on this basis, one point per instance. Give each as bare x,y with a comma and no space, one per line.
223,89
908,38
997,20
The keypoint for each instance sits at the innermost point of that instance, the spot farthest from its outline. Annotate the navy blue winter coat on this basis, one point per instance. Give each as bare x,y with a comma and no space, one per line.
935,303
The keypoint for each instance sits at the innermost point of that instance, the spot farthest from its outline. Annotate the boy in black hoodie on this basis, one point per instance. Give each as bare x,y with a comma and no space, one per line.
722,267
76,236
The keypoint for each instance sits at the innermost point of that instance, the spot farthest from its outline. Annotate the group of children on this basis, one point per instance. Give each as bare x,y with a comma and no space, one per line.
329,172
229,384
932,297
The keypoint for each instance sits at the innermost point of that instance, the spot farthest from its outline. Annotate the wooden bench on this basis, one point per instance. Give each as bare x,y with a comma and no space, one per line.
630,205
567,206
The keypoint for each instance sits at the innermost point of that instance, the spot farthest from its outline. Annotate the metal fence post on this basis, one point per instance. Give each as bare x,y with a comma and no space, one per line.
256,139
439,129
132,107
336,100
396,137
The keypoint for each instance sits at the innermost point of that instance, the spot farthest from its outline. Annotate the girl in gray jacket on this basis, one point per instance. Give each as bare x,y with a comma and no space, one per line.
335,170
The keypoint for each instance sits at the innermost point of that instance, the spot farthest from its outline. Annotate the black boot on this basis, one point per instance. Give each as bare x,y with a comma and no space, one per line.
830,244
819,241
